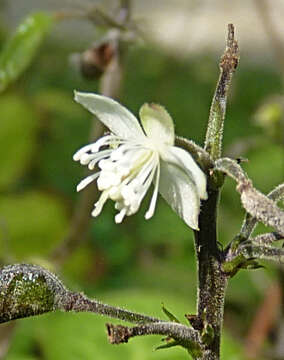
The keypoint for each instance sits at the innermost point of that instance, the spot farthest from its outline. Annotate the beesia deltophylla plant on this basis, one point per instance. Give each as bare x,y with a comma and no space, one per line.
131,157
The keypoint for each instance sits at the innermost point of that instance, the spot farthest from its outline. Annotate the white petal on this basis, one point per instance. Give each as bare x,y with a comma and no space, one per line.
114,116
183,159
180,193
157,123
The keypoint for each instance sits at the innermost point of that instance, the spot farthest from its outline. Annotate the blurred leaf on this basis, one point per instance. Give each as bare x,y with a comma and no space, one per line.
65,129
21,357
34,223
265,166
269,116
231,349
20,50
80,265
174,230
17,138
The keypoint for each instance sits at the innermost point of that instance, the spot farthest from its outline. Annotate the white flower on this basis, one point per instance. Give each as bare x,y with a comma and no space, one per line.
130,159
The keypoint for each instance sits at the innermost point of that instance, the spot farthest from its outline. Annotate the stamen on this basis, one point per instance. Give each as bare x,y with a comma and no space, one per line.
99,205
87,181
120,216
105,141
99,156
153,202
81,151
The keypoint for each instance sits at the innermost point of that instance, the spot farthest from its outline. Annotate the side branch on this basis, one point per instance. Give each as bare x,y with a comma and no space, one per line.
30,290
228,65
250,222
259,206
80,303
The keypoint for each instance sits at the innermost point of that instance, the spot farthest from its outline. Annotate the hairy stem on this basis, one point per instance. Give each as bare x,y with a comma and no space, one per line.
212,281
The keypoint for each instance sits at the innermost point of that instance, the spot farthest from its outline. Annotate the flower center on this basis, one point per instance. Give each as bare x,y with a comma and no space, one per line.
126,173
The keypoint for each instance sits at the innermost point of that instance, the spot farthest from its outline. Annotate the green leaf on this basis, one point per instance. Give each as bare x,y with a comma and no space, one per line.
168,345
20,50
169,314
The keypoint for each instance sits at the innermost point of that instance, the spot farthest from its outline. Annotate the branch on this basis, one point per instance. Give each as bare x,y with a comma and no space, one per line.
246,255
262,208
266,239
261,252
259,206
228,65
30,290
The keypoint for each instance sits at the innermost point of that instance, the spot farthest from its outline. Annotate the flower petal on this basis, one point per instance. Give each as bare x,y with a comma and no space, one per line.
157,123
180,193
114,116
183,159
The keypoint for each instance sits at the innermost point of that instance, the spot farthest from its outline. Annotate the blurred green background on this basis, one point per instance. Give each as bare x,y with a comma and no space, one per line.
138,264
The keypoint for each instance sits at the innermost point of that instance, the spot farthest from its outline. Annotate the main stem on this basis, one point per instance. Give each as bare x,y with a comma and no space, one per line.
212,281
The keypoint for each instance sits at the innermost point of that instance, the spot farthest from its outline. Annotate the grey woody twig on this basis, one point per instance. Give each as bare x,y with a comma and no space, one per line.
250,222
118,334
259,206
262,252
262,208
266,239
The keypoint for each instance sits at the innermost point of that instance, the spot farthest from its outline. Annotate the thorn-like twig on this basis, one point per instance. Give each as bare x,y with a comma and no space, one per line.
118,334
